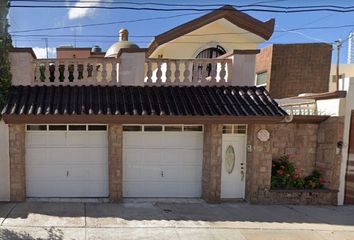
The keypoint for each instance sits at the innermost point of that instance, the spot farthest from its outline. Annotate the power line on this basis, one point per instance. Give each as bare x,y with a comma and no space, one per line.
106,23
187,35
256,4
276,9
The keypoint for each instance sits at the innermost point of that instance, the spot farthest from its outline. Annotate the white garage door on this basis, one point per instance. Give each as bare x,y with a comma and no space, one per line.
66,161
162,161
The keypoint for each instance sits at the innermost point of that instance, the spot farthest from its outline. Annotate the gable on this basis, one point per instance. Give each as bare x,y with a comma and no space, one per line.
228,16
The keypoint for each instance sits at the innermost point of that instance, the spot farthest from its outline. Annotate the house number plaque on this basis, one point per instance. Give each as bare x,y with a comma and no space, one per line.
263,135
229,159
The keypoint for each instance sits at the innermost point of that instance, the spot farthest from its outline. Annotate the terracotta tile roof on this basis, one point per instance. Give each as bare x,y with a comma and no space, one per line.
130,100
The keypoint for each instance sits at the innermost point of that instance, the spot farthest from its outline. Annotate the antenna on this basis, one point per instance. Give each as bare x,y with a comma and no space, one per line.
46,46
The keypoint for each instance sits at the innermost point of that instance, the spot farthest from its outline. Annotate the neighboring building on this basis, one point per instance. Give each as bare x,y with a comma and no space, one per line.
67,52
287,70
178,119
346,71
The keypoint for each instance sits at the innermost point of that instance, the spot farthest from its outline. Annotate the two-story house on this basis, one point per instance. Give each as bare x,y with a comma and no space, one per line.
181,118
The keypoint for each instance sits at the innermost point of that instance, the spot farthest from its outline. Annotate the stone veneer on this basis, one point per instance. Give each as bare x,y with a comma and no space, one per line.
309,146
17,153
212,158
115,160
329,157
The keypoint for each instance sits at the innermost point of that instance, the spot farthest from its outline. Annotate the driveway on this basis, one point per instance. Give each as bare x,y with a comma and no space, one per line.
174,220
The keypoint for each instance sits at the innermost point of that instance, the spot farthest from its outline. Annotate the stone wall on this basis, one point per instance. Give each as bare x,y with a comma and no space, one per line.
115,162
212,159
299,141
309,197
328,158
17,154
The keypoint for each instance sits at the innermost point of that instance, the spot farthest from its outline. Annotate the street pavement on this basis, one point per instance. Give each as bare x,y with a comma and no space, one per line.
160,219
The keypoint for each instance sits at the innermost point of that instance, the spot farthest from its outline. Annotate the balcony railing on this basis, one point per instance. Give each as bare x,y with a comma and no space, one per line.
188,72
76,71
105,71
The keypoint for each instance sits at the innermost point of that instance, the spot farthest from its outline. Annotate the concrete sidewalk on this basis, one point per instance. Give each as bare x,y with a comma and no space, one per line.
174,220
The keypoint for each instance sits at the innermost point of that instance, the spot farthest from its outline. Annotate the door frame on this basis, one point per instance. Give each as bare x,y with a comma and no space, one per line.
235,130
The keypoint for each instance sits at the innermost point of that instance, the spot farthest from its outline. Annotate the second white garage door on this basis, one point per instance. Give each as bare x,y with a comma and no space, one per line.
162,161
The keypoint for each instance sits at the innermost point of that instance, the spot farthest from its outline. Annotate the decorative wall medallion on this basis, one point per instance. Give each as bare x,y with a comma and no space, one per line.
263,135
229,159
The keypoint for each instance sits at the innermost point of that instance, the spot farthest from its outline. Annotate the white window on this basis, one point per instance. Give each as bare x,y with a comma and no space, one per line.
261,78
234,129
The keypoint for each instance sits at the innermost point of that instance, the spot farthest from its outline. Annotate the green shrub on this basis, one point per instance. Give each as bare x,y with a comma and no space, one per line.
286,176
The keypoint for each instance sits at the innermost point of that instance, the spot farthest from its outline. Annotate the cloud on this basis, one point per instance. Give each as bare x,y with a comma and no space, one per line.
42,53
75,13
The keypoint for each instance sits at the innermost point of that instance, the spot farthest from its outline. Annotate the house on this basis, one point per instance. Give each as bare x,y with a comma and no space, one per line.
181,118
346,71
287,70
65,52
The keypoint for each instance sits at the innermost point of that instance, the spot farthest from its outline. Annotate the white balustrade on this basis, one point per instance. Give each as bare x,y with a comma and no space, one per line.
161,71
95,71
105,71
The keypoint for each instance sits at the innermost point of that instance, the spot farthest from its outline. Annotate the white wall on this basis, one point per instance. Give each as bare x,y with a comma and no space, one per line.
333,107
346,137
4,162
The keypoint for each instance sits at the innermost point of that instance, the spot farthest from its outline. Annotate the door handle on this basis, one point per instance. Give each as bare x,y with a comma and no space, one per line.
67,173
242,175
161,173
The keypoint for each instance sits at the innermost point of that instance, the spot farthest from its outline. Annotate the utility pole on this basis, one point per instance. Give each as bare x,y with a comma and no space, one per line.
46,46
338,45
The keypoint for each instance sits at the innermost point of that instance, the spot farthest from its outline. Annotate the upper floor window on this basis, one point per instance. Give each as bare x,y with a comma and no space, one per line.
261,78
212,52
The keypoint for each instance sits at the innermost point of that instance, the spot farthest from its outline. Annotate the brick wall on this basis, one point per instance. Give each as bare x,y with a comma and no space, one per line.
212,157
299,141
295,68
115,162
264,62
17,154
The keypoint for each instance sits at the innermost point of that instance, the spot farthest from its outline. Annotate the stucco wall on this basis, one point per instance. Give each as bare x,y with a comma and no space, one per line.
4,162
189,45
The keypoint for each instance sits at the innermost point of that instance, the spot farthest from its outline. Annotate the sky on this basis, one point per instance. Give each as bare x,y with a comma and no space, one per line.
142,32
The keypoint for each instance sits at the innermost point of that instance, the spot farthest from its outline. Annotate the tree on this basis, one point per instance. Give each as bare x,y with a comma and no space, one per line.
5,45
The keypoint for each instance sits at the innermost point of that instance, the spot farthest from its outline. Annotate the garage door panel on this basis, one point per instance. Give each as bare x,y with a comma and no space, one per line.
182,174
74,189
143,173
140,140
169,189
162,164
88,139
35,140
183,157
67,164
142,156
183,140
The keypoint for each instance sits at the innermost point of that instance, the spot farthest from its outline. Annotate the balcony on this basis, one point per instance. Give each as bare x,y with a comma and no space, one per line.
133,68
105,71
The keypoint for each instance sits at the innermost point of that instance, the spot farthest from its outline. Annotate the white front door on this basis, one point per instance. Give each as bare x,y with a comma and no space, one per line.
233,171
162,163
66,163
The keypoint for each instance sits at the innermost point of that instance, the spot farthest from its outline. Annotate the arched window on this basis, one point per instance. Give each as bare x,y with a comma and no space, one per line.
212,52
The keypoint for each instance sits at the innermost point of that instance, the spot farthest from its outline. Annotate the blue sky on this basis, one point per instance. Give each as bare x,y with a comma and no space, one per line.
31,18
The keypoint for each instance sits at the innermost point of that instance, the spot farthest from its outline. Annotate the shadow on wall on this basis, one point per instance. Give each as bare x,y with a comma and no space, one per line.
53,234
